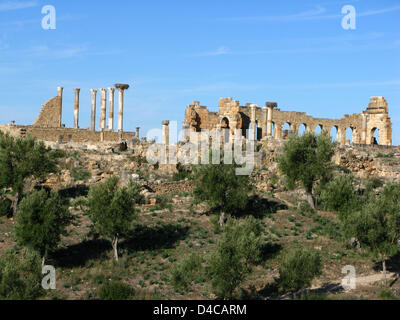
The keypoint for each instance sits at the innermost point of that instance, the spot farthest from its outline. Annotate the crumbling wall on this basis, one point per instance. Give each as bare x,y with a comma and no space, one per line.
231,115
50,114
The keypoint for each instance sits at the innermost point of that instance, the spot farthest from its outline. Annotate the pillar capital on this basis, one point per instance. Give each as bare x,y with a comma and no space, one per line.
93,91
111,89
77,90
121,86
271,105
165,123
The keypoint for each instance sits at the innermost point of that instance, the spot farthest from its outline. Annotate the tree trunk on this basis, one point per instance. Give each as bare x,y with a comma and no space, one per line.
310,200
222,219
115,247
14,204
384,281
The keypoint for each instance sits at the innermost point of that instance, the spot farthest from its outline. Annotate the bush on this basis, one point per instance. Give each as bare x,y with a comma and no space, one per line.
306,160
339,196
386,294
41,220
185,272
112,210
298,270
115,290
20,276
221,188
239,247
80,174
5,206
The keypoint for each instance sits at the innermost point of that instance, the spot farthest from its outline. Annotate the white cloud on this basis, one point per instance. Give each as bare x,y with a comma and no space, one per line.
220,51
16,5
315,14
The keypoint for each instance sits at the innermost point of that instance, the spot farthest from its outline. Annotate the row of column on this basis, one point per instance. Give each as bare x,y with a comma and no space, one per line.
103,108
267,118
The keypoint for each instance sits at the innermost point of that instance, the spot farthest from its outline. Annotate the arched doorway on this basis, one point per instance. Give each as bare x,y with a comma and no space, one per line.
286,130
226,129
334,133
349,135
302,129
318,129
375,136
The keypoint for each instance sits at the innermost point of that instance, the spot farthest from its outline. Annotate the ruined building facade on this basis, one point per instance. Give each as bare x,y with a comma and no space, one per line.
48,125
268,122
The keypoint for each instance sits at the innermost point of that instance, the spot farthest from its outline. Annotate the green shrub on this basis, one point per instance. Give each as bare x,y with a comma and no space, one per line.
386,294
5,206
112,210
298,270
339,196
382,155
221,187
306,160
304,208
41,220
20,276
115,290
80,174
237,250
185,272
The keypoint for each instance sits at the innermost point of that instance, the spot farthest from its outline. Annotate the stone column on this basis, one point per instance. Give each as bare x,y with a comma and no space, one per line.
270,106
253,134
76,108
341,134
138,132
111,114
93,119
103,109
364,128
60,94
121,88
185,132
165,132
264,122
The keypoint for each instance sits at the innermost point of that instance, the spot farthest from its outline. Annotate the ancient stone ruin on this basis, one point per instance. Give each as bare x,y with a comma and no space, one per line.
268,122
48,125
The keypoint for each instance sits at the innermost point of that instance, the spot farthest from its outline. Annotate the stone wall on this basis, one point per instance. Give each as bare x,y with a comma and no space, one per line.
50,114
67,134
270,121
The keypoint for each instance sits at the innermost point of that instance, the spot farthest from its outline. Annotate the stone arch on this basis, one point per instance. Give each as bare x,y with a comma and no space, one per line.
318,129
334,133
286,128
273,129
302,129
375,134
245,124
349,135
225,125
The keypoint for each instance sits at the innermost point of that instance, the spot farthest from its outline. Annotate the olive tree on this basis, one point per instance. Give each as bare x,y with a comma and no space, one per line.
306,159
20,159
377,224
238,249
220,187
41,220
112,210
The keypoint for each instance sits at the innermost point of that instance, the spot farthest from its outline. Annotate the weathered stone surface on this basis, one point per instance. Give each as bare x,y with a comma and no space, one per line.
232,116
50,114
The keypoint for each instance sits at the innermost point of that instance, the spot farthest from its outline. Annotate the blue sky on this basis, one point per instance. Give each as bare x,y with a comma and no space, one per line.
174,52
